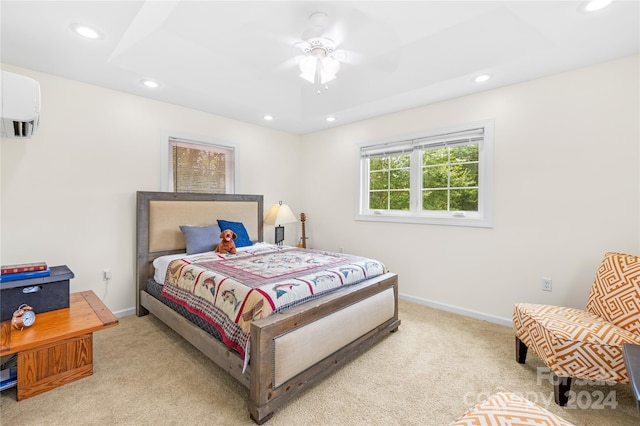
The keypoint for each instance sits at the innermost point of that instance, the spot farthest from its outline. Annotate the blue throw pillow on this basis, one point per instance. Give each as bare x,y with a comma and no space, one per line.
200,238
243,239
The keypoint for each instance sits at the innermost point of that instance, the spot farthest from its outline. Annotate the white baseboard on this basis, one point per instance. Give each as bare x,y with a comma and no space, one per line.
125,312
457,310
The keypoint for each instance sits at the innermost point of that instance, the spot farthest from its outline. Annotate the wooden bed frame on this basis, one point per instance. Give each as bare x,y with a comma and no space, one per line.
364,313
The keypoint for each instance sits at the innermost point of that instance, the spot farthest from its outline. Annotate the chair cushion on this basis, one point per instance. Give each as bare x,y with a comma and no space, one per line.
573,342
506,408
615,294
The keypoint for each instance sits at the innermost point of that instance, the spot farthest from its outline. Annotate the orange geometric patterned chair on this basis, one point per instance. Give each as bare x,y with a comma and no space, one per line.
506,408
585,344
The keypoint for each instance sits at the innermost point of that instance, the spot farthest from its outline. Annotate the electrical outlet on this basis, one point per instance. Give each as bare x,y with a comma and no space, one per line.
106,274
546,284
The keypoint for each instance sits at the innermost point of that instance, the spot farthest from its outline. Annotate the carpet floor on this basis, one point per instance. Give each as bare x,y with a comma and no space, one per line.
436,367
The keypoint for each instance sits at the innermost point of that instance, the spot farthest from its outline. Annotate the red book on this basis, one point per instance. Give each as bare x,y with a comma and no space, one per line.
23,267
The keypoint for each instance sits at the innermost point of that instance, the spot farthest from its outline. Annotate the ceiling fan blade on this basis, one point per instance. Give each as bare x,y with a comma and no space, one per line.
341,55
336,31
349,57
290,63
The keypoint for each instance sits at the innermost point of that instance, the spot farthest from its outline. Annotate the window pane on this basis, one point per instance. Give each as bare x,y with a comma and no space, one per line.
400,200
435,177
200,168
434,200
379,163
464,175
464,153
390,182
400,161
379,180
464,199
435,156
378,200
400,179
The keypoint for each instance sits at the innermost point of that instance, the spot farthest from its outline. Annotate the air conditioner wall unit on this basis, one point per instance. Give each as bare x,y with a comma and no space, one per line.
19,105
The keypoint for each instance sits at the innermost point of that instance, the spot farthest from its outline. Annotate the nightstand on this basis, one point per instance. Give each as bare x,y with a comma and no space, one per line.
58,348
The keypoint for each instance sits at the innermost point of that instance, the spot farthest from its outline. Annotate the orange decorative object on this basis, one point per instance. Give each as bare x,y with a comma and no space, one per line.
504,407
585,344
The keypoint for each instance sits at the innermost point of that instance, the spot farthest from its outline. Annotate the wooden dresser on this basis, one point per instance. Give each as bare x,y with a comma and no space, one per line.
58,347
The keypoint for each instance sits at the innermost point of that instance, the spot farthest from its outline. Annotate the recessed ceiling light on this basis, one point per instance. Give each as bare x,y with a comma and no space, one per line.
330,119
268,117
150,84
482,78
593,5
85,31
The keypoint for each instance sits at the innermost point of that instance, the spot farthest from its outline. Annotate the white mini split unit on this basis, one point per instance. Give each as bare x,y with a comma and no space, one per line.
19,105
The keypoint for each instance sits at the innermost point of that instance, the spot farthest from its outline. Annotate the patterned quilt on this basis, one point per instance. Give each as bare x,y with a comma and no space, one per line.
229,291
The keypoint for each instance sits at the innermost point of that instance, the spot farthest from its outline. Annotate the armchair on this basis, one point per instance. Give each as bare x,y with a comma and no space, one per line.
585,344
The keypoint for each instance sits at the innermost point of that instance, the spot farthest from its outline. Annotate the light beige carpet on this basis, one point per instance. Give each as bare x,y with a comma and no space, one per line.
433,369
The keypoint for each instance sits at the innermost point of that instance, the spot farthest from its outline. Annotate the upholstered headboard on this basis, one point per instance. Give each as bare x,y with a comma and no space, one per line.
160,214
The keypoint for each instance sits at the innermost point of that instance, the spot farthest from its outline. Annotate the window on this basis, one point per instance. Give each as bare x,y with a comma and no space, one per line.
441,177
200,167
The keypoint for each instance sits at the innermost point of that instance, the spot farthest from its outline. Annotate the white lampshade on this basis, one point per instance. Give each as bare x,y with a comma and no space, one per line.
308,65
325,77
330,65
311,78
280,214
318,68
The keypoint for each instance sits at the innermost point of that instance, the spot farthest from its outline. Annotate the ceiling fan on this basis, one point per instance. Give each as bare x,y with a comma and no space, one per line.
321,60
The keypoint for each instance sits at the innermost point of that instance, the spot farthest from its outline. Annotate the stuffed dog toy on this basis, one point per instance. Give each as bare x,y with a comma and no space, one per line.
226,244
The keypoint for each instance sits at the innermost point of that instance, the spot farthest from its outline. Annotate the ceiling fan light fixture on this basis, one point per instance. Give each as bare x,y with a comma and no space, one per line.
318,46
330,65
325,78
308,68
318,66
328,72
311,78
308,65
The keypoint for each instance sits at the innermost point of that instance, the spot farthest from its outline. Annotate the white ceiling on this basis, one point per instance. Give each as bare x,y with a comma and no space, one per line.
236,59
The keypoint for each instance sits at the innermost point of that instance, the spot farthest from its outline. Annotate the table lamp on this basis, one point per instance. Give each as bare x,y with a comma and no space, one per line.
278,215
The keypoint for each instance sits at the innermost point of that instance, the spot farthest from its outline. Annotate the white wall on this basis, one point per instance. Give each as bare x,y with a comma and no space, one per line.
567,187
68,193
567,190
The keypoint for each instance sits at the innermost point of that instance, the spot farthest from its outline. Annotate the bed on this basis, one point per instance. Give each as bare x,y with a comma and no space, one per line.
288,350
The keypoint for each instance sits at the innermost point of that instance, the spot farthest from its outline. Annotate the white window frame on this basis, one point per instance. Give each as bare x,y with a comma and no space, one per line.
166,158
484,217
